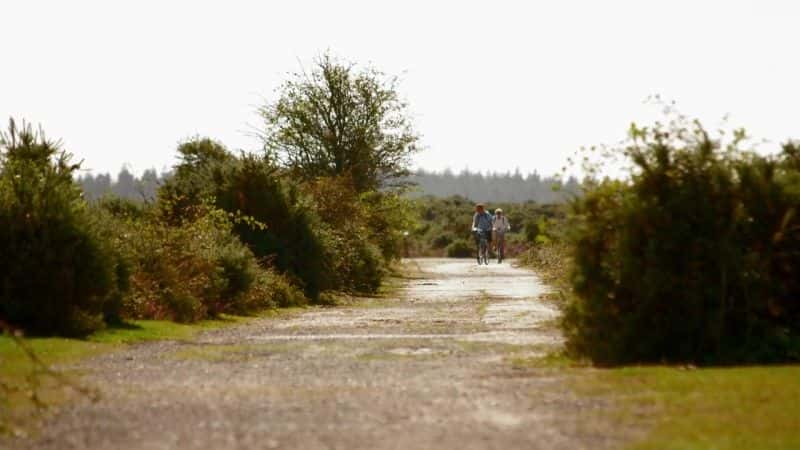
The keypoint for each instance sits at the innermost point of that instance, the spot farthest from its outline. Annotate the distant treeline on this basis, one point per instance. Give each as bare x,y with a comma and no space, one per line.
126,185
495,187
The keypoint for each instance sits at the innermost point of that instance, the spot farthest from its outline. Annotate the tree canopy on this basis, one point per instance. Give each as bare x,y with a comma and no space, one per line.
339,120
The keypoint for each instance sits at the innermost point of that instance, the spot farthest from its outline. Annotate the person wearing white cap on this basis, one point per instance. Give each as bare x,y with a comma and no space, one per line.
500,225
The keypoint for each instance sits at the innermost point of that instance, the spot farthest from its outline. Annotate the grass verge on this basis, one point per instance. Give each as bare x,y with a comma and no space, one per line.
751,408
675,408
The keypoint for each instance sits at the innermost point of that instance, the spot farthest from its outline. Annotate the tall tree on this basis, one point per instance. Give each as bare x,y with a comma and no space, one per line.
338,120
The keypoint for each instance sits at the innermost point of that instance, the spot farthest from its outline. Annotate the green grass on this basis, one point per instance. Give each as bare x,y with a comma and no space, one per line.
753,408
551,360
55,350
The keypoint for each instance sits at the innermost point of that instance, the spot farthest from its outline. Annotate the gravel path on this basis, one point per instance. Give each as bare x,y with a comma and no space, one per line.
427,370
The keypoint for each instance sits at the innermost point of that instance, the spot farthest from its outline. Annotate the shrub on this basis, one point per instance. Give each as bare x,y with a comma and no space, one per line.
121,207
366,267
460,248
694,259
188,272
323,234
271,290
365,231
251,186
442,240
58,275
354,264
551,261
532,230
388,215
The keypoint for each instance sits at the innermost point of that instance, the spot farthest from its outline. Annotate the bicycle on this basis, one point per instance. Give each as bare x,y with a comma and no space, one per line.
500,242
483,246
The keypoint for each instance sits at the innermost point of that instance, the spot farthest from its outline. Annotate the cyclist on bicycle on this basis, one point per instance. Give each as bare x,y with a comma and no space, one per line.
482,221
500,225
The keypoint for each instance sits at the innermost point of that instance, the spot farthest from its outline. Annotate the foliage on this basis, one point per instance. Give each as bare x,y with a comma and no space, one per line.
193,271
693,259
270,290
324,233
363,231
225,232
548,250
389,217
460,248
551,261
58,275
283,231
340,121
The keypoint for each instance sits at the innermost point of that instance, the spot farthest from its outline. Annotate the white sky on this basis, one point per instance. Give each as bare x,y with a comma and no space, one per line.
492,85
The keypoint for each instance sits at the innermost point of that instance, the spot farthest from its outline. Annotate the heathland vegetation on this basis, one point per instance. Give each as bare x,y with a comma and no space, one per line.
318,210
692,258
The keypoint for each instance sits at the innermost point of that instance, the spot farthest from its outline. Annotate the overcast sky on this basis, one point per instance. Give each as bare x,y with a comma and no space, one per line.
492,85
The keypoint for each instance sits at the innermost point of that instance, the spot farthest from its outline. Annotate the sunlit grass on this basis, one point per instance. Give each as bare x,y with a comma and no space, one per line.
55,350
749,408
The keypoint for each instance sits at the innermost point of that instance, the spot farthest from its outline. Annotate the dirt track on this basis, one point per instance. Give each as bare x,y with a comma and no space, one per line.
427,370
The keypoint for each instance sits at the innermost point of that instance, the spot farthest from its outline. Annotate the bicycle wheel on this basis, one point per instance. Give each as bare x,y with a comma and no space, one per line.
501,247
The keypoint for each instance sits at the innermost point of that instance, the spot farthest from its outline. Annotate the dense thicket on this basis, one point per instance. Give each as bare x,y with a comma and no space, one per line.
283,231
57,272
323,233
694,259
191,270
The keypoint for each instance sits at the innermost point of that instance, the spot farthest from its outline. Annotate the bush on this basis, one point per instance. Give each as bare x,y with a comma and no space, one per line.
367,267
388,215
693,260
442,240
551,261
58,275
251,186
460,248
532,231
271,290
363,232
188,272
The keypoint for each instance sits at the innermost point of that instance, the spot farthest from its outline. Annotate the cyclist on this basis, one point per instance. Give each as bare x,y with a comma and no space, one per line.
482,221
500,225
